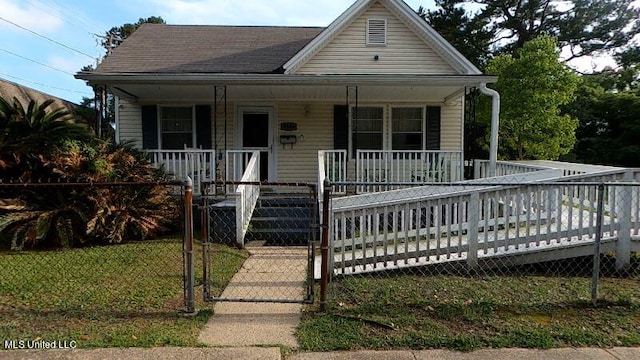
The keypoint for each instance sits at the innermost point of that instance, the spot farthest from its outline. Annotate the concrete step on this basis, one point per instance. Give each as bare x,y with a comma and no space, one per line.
282,212
260,223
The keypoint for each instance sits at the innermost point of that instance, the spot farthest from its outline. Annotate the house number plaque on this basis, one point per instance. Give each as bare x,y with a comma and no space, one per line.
288,126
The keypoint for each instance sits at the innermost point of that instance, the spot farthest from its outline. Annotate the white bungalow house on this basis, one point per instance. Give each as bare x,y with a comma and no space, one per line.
376,97
377,86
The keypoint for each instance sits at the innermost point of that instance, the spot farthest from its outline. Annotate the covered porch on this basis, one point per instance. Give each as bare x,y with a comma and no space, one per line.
378,128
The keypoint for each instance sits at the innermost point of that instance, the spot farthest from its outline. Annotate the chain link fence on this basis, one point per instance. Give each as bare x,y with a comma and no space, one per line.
66,249
279,234
509,241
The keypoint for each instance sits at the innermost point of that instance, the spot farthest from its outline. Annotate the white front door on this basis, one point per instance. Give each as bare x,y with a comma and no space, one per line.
256,133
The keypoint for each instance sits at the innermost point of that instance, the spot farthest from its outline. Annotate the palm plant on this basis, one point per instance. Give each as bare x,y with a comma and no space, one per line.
137,212
37,144
48,219
29,134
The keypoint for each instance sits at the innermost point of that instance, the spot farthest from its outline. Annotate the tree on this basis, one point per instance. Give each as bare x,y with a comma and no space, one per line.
117,34
533,86
104,101
585,27
624,78
468,35
609,123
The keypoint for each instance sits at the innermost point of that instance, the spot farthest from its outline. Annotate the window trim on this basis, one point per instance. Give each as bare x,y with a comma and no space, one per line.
423,109
193,123
368,32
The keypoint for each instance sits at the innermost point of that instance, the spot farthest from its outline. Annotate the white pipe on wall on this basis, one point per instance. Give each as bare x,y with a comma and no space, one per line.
495,124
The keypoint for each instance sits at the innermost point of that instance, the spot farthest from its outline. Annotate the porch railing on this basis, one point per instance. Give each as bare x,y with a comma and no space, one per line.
247,196
481,168
403,166
197,164
236,164
332,164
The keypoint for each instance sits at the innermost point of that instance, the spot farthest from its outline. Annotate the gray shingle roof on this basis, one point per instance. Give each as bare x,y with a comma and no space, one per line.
9,90
156,48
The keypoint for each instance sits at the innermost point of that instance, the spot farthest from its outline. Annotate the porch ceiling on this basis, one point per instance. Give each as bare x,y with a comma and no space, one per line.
277,87
266,93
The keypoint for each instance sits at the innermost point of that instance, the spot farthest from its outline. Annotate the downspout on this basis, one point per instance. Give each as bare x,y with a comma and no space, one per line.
495,124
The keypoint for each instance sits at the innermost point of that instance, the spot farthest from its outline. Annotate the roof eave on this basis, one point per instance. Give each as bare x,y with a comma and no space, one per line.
284,79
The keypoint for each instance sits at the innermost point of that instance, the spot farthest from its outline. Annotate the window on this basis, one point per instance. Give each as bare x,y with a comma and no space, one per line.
407,130
176,127
367,128
377,32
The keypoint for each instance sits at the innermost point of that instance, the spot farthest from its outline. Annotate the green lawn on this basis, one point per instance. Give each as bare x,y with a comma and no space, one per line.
121,295
422,312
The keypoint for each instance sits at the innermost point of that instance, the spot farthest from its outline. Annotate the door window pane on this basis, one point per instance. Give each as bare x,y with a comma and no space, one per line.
255,130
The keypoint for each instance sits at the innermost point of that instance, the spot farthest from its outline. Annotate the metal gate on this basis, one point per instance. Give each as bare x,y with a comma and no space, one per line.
277,226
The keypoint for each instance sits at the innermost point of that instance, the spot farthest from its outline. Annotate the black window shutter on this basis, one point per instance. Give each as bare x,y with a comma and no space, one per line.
149,127
203,126
340,127
433,128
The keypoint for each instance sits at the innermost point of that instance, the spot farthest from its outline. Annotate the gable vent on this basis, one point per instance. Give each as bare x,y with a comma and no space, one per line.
376,32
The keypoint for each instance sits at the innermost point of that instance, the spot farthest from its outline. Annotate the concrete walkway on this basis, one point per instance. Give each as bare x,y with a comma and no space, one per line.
489,354
269,273
262,353
161,353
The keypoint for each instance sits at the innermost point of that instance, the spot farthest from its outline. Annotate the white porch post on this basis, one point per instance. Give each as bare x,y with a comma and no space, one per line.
495,124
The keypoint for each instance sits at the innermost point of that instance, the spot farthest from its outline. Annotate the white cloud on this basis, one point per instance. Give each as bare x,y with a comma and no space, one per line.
588,64
71,64
28,16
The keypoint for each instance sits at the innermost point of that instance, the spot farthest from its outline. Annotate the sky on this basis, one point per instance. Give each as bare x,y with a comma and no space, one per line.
44,42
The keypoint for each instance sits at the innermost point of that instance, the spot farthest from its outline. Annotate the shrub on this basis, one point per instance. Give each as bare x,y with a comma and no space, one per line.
75,216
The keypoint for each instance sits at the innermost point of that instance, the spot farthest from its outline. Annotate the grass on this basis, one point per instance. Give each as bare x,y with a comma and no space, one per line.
114,296
408,311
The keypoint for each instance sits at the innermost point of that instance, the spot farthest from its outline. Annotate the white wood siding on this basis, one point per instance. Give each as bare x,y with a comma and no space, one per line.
405,52
300,163
130,128
219,141
451,127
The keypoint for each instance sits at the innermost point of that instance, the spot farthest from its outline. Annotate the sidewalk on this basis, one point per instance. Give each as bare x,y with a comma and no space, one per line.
163,353
263,353
489,354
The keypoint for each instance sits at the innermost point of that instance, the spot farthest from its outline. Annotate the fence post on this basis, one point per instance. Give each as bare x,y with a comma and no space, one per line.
476,169
596,252
187,248
204,236
623,212
324,246
472,234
